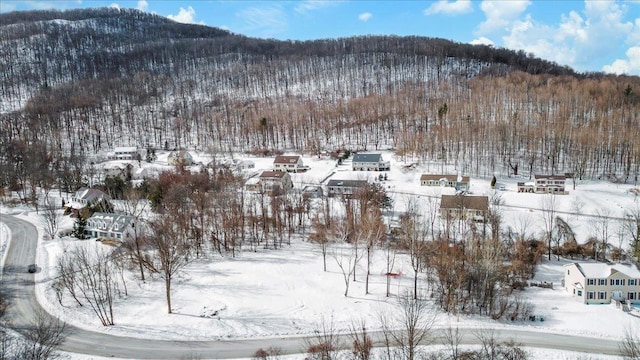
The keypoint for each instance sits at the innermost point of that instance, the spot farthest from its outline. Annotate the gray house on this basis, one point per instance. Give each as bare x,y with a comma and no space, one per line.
369,162
344,187
107,225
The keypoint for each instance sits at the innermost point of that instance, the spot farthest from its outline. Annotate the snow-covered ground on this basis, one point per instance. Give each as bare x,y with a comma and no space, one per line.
285,292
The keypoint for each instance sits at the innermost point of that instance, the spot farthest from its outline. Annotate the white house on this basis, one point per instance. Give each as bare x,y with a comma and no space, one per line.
544,184
113,226
369,162
599,283
180,157
125,153
87,197
271,182
288,163
454,181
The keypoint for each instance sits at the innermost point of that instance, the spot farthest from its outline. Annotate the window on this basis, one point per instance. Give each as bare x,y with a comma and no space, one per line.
610,281
631,296
568,272
632,282
591,295
602,295
602,282
592,281
579,292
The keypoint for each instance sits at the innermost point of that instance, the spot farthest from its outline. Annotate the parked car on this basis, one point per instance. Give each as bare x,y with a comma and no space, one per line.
32,268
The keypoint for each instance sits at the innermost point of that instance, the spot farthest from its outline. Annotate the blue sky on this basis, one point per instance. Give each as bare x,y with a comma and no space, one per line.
586,35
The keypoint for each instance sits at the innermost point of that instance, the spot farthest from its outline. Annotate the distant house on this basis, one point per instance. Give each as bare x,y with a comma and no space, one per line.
312,191
369,162
344,187
454,181
600,283
117,169
140,173
180,157
86,197
244,165
544,184
288,163
464,207
274,182
125,153
107,225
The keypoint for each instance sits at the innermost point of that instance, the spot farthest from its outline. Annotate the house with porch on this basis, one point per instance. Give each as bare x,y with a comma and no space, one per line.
288,163
369,162
274,182
601,283
124,153
110,226
454,181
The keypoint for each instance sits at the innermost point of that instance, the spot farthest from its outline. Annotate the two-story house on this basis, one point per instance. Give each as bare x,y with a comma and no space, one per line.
344,187
369,162
288,163
84,197
600,283
113,226
275,182
464,207
544,184
454,181
125,153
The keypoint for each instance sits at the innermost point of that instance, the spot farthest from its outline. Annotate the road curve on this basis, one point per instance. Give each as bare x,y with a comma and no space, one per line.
20,286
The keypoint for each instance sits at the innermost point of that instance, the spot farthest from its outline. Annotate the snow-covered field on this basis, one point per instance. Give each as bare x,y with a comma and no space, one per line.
285,292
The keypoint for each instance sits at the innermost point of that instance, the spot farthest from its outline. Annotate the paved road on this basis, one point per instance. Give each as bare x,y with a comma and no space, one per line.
20,285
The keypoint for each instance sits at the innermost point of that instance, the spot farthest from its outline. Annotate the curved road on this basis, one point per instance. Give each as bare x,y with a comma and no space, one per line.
20,286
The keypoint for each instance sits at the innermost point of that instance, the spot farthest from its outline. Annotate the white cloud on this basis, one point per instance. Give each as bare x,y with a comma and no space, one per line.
365,16
500,14
142,5
263,21
482,41
114,6
185,16
449,8
578,40
312,5
629,66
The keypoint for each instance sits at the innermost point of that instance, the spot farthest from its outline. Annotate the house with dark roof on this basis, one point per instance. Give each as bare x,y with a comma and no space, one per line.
454,181
288,163
464,207
369,162
344,187
600,283
274,182
111,226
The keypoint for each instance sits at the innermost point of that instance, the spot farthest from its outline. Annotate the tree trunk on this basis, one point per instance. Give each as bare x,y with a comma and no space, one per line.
167,285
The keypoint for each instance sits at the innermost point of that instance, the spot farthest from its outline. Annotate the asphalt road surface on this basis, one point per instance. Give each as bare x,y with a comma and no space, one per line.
20,286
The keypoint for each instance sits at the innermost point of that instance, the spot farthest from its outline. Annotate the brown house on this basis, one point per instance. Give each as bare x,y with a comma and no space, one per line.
464,207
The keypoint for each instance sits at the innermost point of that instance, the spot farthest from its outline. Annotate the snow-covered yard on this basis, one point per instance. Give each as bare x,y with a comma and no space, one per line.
285,292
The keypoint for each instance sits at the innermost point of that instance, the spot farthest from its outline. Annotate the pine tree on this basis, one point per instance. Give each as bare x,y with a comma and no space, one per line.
78,227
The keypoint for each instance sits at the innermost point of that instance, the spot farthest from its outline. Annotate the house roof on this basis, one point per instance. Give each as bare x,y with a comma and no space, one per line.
427,177
283,159
602,270
550,177
115,222
372,158
347,183
125,149
465,202
273,174
91,194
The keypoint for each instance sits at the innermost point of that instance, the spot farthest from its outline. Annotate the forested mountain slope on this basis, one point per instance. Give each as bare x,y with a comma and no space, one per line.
82,81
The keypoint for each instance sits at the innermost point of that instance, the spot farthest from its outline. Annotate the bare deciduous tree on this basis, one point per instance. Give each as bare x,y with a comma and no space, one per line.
549,207
51,219
41,338
325,342
170,252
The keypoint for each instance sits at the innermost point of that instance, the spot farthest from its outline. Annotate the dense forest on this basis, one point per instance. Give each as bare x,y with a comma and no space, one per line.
78,82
